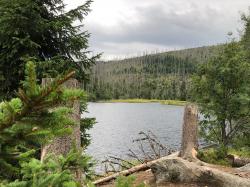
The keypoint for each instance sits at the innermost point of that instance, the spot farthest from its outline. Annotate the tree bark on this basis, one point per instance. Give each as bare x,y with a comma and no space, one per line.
189,132
180,170
62,145
223,133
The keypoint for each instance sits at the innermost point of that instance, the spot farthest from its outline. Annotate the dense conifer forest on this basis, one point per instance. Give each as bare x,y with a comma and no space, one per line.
152,76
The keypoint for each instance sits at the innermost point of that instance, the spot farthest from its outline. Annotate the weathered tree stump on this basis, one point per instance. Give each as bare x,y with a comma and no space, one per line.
189,132
62,145
186,167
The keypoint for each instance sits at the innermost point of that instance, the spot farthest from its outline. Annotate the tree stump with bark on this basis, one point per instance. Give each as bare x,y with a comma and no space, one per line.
62,145
189,141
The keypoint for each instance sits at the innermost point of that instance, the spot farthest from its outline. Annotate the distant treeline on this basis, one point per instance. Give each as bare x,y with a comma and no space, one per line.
155,76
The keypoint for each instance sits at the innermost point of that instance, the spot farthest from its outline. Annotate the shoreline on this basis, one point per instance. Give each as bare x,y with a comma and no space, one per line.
164,102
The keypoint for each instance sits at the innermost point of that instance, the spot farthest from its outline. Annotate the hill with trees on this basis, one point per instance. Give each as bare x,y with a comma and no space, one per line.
151,76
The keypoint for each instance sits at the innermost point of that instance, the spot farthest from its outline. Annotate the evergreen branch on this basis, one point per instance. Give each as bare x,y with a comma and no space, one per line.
54,85
28,108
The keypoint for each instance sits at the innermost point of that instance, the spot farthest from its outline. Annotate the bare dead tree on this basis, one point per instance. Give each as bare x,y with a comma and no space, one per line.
148,148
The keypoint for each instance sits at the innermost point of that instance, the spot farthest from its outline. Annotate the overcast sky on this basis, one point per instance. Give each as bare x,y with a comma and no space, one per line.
128,27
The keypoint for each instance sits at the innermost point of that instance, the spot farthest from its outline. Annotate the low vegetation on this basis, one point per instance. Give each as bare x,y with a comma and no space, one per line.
213,156
165,102
163,76
129,181
217,156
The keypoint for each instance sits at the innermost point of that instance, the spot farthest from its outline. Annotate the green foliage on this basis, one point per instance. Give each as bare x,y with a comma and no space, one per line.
44,31
32,120
164,102
123,181
53,171
213,156
246,36
241,152
221,89
85,125
163,76
218,156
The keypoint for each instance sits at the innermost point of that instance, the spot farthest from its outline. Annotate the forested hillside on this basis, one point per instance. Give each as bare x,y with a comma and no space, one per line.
155,76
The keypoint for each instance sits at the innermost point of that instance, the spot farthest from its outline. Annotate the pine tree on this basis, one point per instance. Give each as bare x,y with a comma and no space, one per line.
44,31
246,37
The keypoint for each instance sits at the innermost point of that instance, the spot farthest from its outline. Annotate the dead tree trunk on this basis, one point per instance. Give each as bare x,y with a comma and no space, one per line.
62,145
189,132
187,168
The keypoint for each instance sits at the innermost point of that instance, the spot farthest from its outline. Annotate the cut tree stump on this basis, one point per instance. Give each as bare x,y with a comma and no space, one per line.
62,145
186,167
189,141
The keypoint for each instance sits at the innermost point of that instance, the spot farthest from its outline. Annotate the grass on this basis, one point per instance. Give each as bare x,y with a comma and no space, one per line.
242,152
214,156
165,102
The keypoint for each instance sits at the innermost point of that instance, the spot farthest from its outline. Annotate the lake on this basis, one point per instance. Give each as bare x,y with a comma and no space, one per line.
119,124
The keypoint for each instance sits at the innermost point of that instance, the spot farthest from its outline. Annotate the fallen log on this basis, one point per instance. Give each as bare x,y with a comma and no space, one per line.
245,168
141,167
180,170
237,161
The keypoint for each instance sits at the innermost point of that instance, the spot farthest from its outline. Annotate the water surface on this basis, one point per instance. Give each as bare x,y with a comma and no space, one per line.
119,123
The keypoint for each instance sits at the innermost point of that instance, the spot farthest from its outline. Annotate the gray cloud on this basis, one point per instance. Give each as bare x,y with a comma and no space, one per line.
165,25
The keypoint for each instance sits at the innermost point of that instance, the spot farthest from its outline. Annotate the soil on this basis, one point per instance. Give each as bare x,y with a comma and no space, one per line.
147,178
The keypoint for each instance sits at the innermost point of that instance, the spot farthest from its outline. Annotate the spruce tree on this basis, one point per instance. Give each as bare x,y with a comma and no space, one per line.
44,31
31,120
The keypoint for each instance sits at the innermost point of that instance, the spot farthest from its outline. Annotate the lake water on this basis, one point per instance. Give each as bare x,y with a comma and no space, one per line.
119,123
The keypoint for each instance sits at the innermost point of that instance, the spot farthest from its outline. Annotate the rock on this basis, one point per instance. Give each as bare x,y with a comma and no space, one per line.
180,170
175,170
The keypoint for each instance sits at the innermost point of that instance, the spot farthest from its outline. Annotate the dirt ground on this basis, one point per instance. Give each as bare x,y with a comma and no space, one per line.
147,178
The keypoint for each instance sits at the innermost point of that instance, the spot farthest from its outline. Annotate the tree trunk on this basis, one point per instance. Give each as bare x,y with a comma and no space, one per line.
186,167
223,133
62,145
189,132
